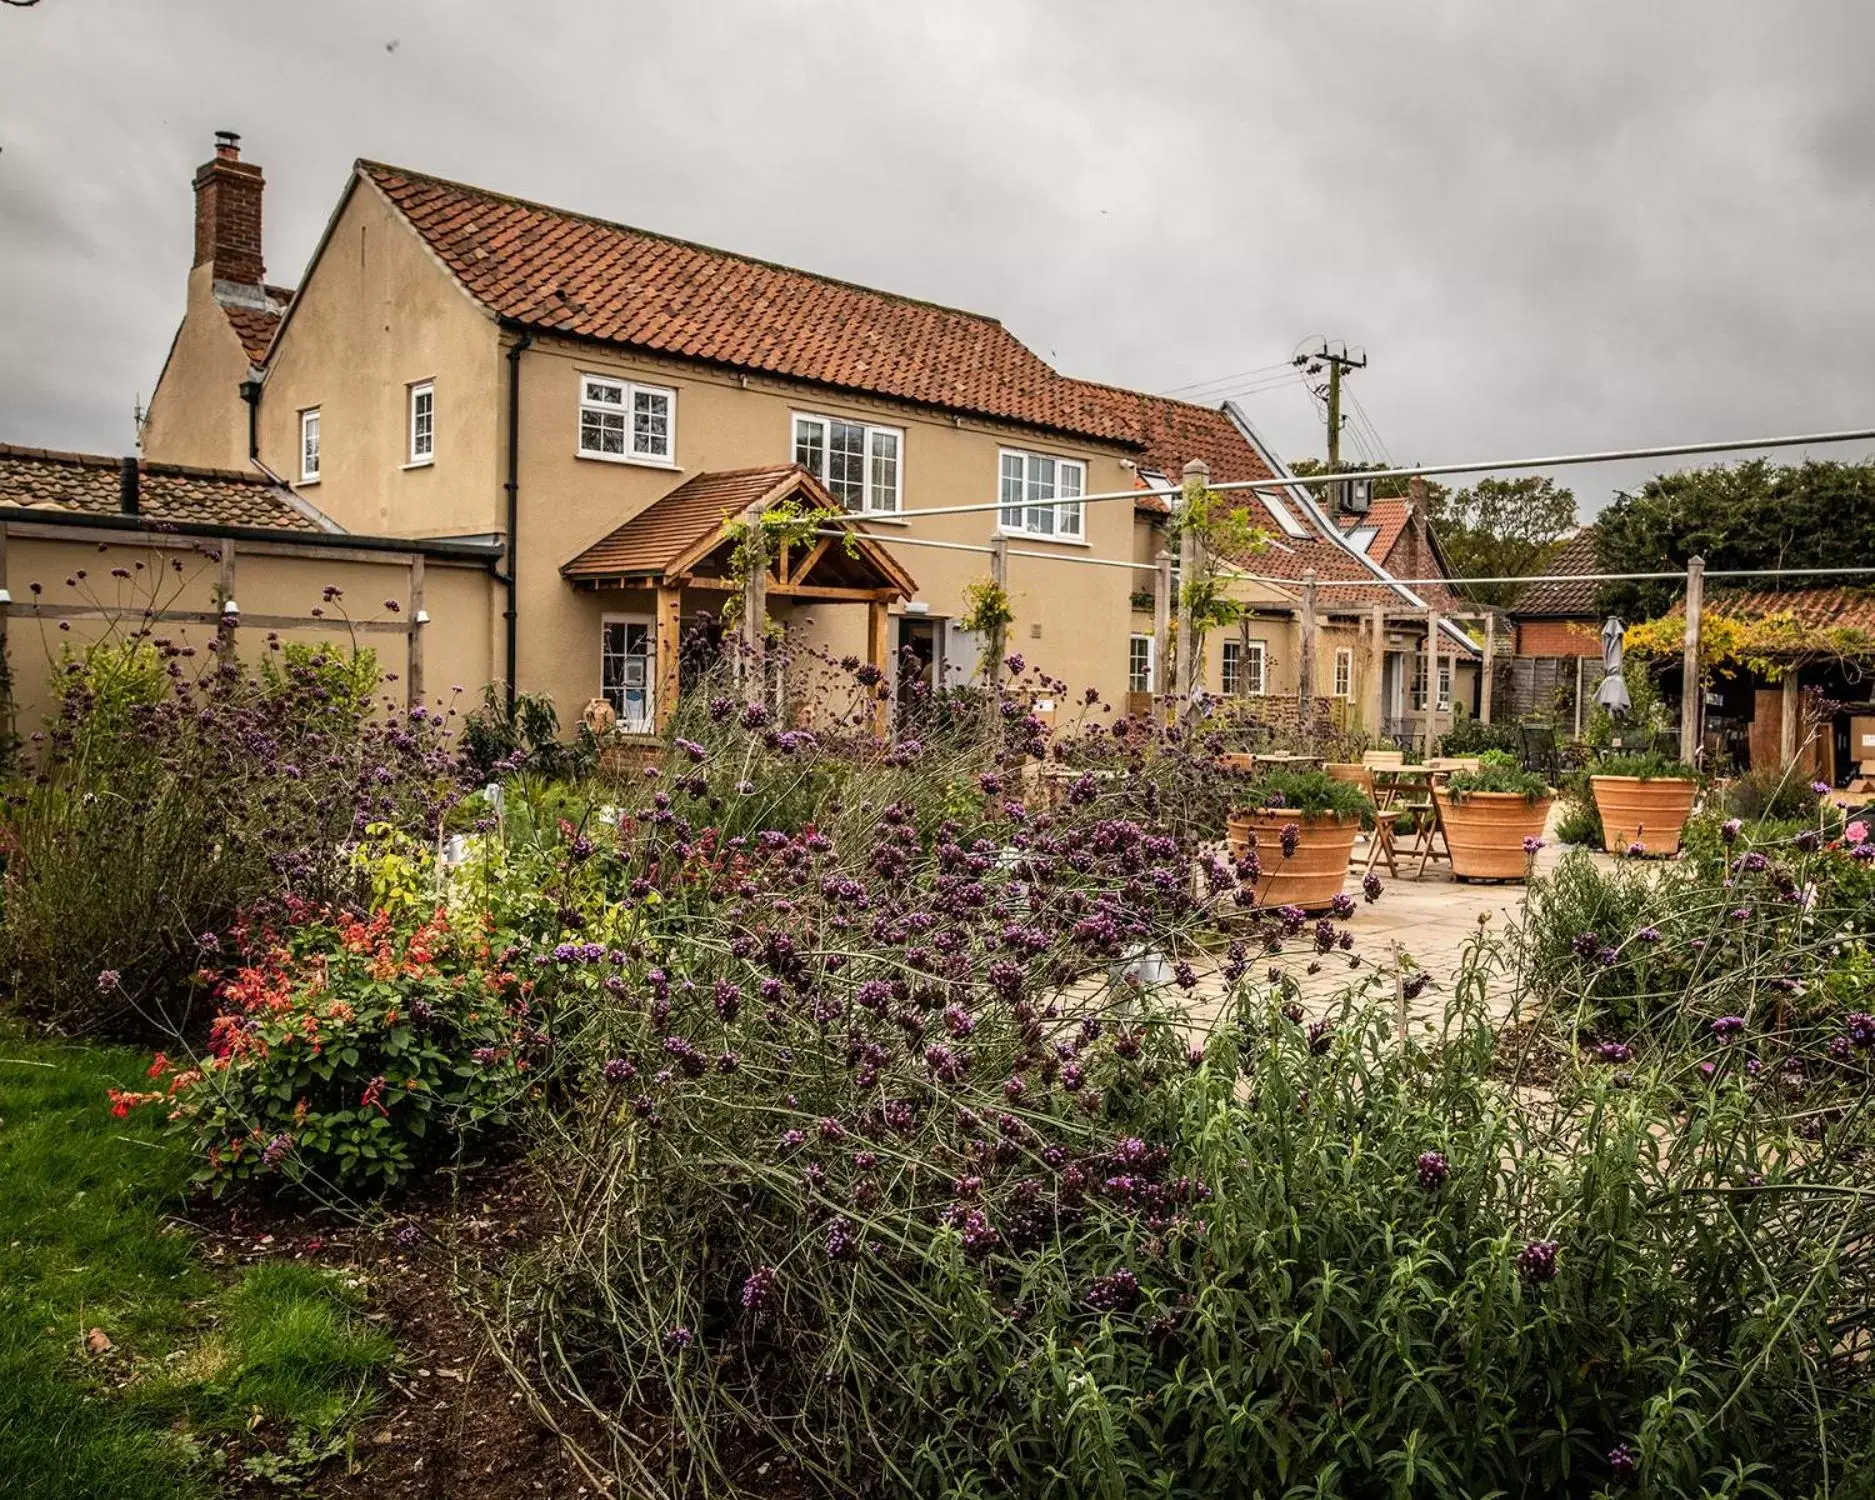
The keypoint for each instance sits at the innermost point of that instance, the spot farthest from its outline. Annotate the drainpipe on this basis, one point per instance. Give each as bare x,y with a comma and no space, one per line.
511,615
250,393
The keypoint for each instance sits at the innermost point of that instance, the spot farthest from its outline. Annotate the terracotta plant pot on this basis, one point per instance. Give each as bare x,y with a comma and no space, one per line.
1311,877
1485,832
1649,813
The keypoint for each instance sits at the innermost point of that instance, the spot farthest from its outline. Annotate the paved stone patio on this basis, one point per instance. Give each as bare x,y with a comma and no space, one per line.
1419,923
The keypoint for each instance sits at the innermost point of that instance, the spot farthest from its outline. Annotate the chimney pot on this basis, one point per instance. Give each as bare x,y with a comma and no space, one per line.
228,145
129,485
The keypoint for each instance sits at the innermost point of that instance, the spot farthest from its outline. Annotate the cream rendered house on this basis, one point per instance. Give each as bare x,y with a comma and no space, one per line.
458,363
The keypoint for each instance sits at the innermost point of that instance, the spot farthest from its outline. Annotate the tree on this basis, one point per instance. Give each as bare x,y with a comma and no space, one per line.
1755,514
1500,528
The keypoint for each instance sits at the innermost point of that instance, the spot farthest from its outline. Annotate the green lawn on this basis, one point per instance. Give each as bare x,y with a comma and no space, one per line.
84,1243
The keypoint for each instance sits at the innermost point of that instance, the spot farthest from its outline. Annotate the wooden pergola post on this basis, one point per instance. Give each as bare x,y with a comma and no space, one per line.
1787,727
1161,627
1432,680
667,641
1490,659
1689,662
754,608
998,645
1196,480
226,605
878,624
413,642
1305,671
1377,670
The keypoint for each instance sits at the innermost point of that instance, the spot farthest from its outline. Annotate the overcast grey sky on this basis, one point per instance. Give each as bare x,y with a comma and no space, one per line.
1553,226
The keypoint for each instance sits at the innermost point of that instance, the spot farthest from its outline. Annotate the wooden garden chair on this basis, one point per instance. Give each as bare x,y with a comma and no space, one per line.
1380,842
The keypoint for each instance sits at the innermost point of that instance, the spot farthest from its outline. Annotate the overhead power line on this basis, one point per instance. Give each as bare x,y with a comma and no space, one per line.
1499,465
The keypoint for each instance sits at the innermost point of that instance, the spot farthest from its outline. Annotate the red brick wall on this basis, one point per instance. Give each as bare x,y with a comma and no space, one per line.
1558,638
227,219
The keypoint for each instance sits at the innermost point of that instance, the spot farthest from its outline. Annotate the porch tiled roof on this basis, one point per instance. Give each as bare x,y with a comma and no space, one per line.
40,479
565,272
1820,608
670,526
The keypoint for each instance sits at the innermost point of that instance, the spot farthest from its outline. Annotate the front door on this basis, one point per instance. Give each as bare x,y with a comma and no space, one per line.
625,670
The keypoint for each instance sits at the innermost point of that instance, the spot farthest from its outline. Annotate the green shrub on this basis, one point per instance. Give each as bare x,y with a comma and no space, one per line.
1474,737
1777,796
1648,766
1497,778
164,805
1580,821
1310,792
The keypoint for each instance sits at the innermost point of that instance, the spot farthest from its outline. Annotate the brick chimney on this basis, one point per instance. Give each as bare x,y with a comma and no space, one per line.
227,213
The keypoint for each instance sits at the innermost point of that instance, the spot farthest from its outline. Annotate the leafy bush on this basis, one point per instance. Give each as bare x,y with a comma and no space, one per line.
1580,821
500,738
164,804
348,1054
1780,796
1649,766
1470,736
1497,778
1310,792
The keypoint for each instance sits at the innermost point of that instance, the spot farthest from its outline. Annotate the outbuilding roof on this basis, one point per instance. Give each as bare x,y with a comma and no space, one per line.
41,479
1572,596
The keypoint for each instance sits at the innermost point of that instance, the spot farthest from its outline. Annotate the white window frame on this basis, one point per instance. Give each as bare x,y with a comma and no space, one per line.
626,408
1256,661
1024,517
1445,684
1344,672
310,433
1152,663
875,436
422,441
606,621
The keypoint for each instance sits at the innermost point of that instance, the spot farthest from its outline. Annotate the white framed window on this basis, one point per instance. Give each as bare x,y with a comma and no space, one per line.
1041,494
1419,682
423,422
861,465
309,446
1243,668
1139,664
626,647
1344,671
626,422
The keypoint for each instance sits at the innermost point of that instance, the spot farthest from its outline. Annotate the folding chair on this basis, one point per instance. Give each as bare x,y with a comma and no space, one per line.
1380,841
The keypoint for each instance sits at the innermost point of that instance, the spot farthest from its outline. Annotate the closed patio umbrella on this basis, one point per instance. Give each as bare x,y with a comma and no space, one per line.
1613,693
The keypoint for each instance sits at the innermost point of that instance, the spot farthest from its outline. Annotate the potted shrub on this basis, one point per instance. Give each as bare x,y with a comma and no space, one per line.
1490,815
1301,824
1644,801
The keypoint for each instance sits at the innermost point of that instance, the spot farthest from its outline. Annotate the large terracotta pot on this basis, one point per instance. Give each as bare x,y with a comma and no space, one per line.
1485,832
1649,813
1311,877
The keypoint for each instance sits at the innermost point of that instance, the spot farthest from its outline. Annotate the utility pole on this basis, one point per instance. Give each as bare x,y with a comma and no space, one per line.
1337,363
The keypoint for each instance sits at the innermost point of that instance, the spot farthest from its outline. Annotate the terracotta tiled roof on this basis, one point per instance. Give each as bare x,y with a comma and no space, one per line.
255,326
1820,608
1574,597
1388,518
37,479
569,273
